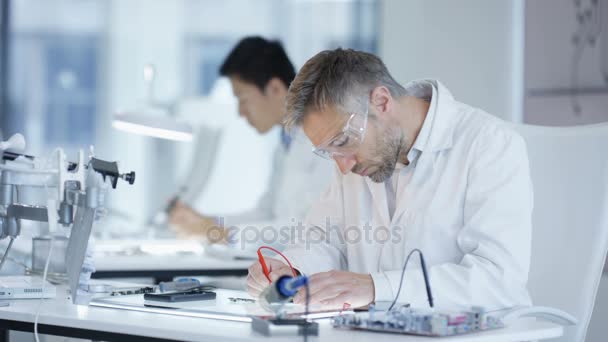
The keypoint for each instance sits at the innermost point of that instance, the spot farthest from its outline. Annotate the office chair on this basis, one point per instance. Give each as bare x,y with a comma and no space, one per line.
569,169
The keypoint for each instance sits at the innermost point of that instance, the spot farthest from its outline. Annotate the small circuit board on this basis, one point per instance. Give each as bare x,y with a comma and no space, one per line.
424,322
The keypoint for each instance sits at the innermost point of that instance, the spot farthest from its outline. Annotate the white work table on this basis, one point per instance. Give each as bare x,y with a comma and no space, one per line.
60,317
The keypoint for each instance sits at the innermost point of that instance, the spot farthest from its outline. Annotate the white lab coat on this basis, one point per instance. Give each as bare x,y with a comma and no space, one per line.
298,179
465,200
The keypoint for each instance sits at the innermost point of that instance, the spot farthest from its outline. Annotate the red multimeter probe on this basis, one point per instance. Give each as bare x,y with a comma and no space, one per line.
265,267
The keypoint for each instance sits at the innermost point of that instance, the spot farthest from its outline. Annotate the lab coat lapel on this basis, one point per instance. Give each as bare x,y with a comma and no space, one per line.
435,136
378,191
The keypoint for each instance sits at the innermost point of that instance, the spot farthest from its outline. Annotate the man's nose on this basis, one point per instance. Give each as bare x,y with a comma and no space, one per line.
345,164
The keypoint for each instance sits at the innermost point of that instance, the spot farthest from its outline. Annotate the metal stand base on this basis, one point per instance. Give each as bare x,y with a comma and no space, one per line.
285,327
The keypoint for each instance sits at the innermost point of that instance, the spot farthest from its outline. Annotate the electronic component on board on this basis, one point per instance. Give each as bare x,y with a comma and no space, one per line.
425,322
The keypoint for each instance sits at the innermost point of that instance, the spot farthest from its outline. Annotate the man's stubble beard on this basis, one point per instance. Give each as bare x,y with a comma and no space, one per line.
388,148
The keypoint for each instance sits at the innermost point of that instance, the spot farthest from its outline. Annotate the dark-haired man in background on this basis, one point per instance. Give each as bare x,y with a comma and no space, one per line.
260,74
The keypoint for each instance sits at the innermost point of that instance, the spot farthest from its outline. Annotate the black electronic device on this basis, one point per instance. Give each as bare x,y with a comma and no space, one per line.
184,296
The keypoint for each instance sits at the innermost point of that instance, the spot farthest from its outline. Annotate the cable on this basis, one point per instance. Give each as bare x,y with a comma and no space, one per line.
306,311
265,267
587,33
8,248
46,264
596,17
295,274
424,273
44,274
574,73
19,263
10,243
54,278
579,40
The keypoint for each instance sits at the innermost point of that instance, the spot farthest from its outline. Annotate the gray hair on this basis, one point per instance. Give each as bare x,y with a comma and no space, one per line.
343,78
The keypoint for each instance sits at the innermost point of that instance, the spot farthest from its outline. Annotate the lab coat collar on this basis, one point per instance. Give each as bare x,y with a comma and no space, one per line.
435,135
437,130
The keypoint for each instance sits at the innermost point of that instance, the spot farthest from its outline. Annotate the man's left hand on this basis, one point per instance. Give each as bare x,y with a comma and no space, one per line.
333,289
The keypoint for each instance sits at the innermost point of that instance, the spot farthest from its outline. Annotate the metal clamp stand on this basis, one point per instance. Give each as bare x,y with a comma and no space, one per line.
282,325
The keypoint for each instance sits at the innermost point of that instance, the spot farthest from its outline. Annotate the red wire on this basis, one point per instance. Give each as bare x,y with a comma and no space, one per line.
279,253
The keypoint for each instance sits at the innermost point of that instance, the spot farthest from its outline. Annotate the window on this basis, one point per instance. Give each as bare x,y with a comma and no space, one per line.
54,86
304,27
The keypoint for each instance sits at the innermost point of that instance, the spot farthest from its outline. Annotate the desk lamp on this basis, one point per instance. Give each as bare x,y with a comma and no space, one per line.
152,119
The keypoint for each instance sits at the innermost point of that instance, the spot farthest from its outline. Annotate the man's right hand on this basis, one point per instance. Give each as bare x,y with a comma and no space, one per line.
188,224
257,281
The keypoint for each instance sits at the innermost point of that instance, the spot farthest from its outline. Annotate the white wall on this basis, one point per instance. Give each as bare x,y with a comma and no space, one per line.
473,46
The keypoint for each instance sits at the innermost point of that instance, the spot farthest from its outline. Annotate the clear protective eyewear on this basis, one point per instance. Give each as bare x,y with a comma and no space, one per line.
347,142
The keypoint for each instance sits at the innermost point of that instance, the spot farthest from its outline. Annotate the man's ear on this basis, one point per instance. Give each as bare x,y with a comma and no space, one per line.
275,87
381,100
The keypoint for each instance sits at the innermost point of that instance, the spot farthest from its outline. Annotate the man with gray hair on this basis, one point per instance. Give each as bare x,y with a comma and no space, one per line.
418,170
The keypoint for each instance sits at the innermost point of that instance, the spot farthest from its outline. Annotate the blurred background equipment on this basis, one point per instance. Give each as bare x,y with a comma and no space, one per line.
72,196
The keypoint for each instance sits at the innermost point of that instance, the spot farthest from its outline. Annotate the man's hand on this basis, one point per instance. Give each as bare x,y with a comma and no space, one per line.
333,289
187,223
257,281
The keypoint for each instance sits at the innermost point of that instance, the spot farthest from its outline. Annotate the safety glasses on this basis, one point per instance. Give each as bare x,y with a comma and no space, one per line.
347,142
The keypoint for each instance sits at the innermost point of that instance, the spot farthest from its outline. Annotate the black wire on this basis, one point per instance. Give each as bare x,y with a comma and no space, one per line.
8,248
587,33
574,75
424,273
306,312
